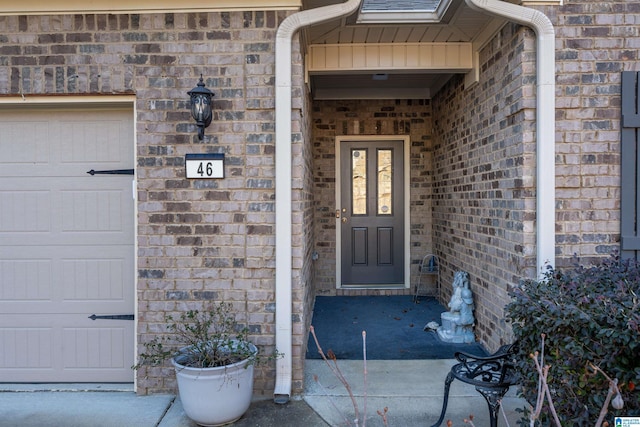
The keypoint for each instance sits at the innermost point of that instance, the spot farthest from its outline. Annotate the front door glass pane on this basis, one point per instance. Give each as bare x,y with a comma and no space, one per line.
359,182
385,182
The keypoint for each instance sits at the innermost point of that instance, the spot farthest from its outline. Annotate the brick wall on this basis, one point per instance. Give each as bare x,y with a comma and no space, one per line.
484,184
484,169
302,222
198,240
370,117
595,42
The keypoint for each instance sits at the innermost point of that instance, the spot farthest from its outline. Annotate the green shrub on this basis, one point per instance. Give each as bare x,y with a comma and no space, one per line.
589,315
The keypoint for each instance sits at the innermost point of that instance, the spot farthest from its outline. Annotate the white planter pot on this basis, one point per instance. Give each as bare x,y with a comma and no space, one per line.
215,396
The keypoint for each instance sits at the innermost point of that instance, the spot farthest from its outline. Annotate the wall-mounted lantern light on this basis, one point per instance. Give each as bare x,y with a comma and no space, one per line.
201,106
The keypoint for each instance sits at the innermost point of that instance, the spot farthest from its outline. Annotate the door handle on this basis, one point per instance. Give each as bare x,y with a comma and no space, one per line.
113,317
344,219
111,172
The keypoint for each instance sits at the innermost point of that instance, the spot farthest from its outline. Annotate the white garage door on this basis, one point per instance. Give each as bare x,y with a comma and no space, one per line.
66,246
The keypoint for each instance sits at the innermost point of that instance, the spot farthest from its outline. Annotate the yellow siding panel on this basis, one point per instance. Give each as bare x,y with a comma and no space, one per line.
346,57
359,57
391,56
413,56
372,57
385,56
332,57
425,56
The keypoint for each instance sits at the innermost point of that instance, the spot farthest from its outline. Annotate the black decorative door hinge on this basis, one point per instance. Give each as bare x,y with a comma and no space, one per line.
111,172
113,317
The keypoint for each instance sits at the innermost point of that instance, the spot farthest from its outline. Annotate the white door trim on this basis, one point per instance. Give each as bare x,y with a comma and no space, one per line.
407,214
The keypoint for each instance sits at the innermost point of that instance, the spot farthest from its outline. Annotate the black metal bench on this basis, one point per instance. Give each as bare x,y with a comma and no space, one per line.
491,375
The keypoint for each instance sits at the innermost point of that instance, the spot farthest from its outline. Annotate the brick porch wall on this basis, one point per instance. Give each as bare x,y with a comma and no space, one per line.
484,191
484,170
198,240
370,117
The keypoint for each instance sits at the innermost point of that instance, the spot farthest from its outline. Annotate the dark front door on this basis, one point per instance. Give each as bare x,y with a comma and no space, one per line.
371,212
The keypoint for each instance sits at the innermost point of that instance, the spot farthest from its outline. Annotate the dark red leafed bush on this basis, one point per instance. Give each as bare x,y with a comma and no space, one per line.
589,315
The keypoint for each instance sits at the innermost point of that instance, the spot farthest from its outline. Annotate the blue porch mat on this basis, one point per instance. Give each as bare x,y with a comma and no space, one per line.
394,326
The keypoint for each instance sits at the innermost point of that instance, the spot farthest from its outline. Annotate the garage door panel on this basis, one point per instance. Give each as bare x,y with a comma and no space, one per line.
15,240
25,211
47,349
25,279
65,144
26,348
65,215
66,246
97,278
24,143
97,347
92,141
79,309
92,210
77,171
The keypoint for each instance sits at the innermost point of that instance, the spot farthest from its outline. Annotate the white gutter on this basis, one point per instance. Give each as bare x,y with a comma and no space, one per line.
284,40
545,120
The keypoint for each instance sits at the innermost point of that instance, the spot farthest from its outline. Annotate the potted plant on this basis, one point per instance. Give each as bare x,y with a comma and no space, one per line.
213,361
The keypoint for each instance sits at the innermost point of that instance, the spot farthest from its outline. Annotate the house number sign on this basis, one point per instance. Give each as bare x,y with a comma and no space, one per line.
204,166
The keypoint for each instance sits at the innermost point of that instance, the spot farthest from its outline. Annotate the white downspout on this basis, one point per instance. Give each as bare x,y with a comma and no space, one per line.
545,120
284,39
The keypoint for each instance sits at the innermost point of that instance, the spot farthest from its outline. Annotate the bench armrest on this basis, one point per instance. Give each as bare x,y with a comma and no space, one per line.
497,368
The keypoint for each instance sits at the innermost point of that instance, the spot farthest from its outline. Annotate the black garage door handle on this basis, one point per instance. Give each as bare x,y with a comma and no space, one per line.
113,317
111,172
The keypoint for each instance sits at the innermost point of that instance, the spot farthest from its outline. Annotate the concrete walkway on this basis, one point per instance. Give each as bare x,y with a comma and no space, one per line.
411,390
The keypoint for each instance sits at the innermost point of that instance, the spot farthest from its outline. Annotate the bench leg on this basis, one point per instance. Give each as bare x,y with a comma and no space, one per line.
493,396
447,385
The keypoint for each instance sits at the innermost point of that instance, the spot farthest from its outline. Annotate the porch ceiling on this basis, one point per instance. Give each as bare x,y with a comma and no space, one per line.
395,22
